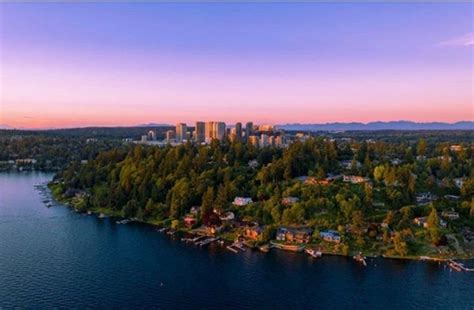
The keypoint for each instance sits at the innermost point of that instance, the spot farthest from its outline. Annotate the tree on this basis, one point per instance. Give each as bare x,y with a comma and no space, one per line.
433,226
378,173
421,147
180,197
207,205
174,224
400,244
130,209
368,194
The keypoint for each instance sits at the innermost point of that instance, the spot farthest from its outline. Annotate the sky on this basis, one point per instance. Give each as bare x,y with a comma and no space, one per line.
122,64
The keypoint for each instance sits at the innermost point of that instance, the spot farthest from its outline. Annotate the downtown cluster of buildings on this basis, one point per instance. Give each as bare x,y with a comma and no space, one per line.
205,132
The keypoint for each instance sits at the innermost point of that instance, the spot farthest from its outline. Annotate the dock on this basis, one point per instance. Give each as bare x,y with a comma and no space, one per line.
459,266
206,241
231,248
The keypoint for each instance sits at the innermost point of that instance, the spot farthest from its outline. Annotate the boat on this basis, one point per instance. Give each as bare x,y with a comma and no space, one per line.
458,266
102,216
360,258
89,212
264,248
49,205
161,230
288,247
313,253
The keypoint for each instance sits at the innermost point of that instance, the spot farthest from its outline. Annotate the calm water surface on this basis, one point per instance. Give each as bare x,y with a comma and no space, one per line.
52,257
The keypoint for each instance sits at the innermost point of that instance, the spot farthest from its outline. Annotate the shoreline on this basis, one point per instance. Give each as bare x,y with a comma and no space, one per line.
154,224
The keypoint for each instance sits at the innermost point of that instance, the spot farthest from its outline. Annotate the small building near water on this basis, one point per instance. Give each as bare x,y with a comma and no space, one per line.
189,220
330,236
297,235
253,232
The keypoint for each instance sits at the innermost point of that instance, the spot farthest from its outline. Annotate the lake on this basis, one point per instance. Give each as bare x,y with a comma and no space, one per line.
53,257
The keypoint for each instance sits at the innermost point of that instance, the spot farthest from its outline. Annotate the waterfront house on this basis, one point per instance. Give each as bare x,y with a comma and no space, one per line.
189,220
253,232
242,201
297,235
330,236
213,230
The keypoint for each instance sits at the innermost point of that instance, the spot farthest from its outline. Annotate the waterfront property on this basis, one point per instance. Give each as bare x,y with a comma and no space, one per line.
134,266
296,235
330,236
253,232
189,220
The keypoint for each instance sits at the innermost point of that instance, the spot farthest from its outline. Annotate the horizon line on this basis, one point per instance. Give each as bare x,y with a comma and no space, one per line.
153,124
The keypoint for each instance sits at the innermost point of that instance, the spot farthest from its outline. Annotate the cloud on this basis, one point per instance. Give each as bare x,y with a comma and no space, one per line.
465,40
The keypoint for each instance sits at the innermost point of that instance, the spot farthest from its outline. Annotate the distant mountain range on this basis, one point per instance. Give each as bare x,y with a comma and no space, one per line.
5,126
155,125
394,125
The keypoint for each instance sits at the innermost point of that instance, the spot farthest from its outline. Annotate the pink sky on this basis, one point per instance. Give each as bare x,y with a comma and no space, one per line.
59,70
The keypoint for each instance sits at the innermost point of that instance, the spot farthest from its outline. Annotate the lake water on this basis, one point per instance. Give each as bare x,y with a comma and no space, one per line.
52,257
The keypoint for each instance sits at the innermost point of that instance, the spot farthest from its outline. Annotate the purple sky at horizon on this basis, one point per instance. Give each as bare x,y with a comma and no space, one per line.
90,64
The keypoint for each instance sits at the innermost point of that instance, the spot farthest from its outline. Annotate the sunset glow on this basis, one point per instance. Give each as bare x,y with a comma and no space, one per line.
70,65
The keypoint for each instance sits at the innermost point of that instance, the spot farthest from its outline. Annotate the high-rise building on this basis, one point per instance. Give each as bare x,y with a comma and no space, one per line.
152,135
200,132
266,128
238,130
248,129
264,141
219,131
209,131
233,135
215,130
170,135
181,130
253,140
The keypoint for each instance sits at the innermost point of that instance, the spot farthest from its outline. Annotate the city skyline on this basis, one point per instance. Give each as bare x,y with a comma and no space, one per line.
86,65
